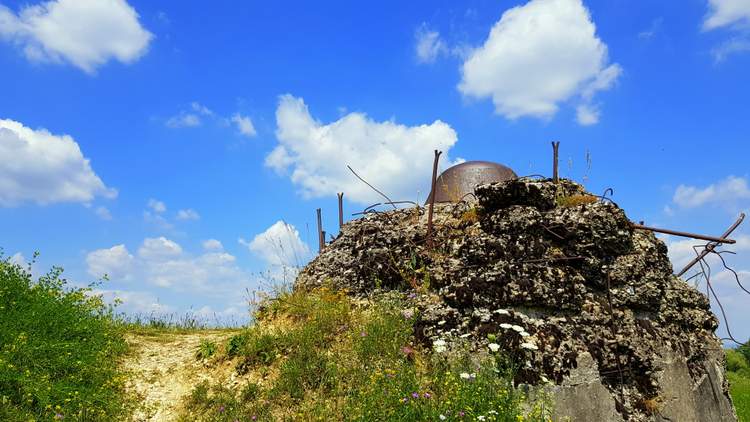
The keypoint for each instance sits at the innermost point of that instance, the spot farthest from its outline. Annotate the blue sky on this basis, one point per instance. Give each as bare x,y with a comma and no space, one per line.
183,148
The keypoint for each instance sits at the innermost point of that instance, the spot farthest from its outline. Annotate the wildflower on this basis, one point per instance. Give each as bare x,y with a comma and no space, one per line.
59,416
415,395
439,345
461,413
441,322
465,335
253,417
412,296
494,347
427,395
529,346
505,326
221,409
502,312
407,313
492,412
517,328
481,418
464,375
363,334
524,334
442,417
404,400
408,351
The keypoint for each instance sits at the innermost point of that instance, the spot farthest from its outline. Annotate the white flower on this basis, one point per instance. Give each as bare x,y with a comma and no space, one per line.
439,345
494,347
505,326
524,334
502,312
517,328
480,418
464,375
441,322
442,417
529,346
492,412
465,335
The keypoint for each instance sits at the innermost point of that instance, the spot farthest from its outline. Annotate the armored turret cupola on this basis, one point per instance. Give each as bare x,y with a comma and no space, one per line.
455,183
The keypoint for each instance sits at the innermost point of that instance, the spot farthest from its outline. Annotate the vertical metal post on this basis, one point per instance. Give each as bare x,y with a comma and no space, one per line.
555,161
321,239
432,198
341,209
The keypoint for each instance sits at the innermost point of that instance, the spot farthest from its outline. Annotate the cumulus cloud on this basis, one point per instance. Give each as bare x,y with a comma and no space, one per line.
84,33
537,56
188,214
45,168
726,193
212,245
279,246
134,302
115,262
244,125
162,262
727,13
159,248
394,157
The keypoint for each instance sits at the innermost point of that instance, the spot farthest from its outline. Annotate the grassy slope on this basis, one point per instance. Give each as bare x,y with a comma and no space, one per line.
58,351
319,356
739,387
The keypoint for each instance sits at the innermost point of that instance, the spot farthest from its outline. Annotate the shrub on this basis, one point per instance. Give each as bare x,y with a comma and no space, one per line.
206,349
58,350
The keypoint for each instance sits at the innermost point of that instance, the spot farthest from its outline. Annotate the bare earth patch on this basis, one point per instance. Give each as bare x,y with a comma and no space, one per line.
163,370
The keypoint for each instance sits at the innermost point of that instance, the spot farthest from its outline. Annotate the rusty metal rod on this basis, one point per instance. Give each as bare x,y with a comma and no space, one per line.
710,247
341,209
555,161
683,234
321,239
432,198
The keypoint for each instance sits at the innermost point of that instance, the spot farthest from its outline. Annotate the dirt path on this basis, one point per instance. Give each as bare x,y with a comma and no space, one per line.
163,370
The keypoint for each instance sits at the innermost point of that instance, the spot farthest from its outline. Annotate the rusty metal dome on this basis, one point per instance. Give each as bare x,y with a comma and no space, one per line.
456,182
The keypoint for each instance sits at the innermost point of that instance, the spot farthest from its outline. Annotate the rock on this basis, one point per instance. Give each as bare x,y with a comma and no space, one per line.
565,286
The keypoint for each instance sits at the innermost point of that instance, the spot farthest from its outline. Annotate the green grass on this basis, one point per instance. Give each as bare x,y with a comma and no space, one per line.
317,356
59,349
739,388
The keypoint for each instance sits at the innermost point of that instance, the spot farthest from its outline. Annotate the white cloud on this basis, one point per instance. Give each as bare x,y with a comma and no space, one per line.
279,246
84,33
725,193
134,302
201,109
18,259
116,262
244,125
157,248
727,13
655,27
188,214
44,168
162,262
103,213
183,120
212,245
537,56
156,205
428,44
397,159
731,46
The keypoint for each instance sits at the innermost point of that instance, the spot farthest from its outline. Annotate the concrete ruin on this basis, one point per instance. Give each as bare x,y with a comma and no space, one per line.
563,282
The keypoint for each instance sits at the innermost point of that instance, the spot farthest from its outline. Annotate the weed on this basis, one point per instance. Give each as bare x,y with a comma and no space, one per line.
471,216
206,350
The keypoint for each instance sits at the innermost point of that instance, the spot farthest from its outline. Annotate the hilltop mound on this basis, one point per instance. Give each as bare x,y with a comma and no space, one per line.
559,279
